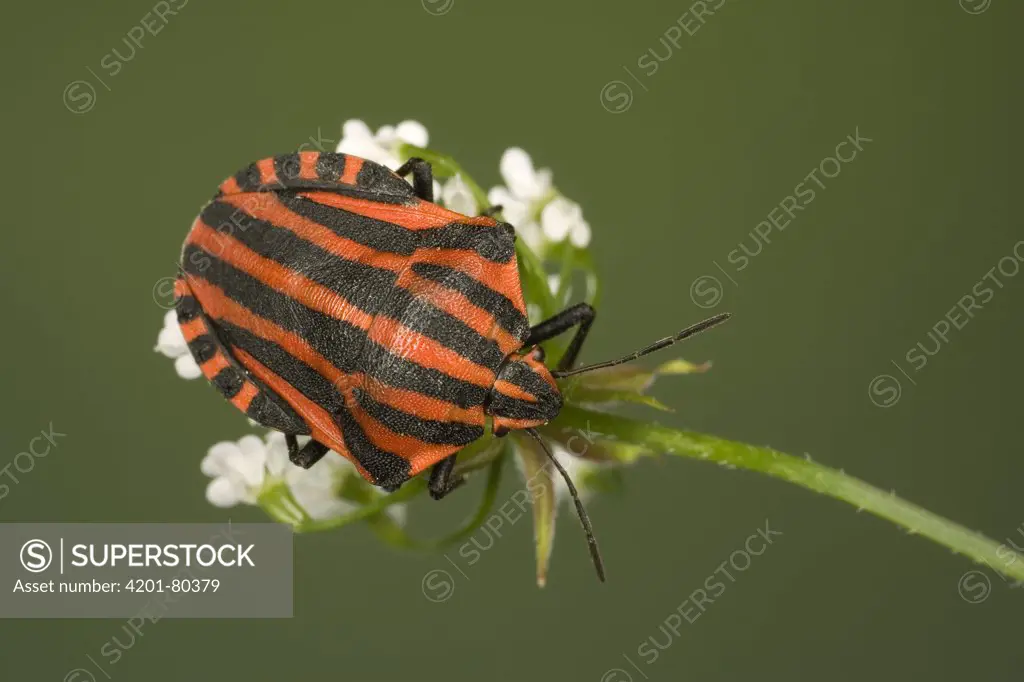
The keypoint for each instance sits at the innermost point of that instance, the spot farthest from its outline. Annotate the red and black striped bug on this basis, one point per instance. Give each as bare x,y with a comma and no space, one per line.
324,295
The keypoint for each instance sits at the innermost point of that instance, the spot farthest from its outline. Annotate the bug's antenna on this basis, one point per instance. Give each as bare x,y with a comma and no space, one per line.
657,345
595,553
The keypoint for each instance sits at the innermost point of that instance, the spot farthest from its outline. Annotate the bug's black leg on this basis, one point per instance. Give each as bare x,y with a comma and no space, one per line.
308,455
422,177
489,212
581,314
441,481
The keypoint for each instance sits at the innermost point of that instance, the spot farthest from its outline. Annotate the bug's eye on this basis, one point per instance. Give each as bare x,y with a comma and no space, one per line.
538,354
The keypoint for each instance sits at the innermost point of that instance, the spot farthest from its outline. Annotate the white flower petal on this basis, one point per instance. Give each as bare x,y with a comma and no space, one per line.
315,489
277,454
216,461
247,466
516,168
457,197
579,235
558,218
412,132
370,150
319,498
187,368
320,507
386,136
221,492
531,234
170,342
500,195
253,447
358,140
553,282
515,211
354,129
356,146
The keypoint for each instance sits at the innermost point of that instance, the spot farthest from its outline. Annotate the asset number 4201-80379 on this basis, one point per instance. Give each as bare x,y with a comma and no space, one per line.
176,585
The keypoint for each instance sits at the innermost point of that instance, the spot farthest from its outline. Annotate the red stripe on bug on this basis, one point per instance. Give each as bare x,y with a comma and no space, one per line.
244,397
455,304
193,329
420,405
307,165
501,277
514,391
406,343
421,215
353,164
268,176
212,367
230,186
514,424
181,288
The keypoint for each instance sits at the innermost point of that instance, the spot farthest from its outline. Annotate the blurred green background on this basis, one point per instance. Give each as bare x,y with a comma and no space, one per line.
673,173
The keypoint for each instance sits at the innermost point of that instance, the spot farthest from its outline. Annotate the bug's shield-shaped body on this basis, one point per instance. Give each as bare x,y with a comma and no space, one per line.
322,297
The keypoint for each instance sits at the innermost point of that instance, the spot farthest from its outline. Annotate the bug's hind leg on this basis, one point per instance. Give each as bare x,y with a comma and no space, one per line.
306,456
581,314
441,480
220,367
422,177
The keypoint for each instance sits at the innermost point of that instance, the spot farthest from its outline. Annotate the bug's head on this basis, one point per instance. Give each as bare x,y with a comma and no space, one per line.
524,394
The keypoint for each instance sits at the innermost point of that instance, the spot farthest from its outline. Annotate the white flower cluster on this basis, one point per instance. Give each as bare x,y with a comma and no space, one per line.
530,202
243,470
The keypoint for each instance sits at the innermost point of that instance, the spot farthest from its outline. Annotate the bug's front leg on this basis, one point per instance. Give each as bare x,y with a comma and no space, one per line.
581,314
310,453
441,480
422,177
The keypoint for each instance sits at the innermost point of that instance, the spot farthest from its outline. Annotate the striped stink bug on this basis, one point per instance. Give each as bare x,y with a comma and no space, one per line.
324,295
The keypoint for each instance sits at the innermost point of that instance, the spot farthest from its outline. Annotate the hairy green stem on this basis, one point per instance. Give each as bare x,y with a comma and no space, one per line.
805,473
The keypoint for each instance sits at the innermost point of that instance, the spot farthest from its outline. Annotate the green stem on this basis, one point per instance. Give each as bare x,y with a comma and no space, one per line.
802,472
279,503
